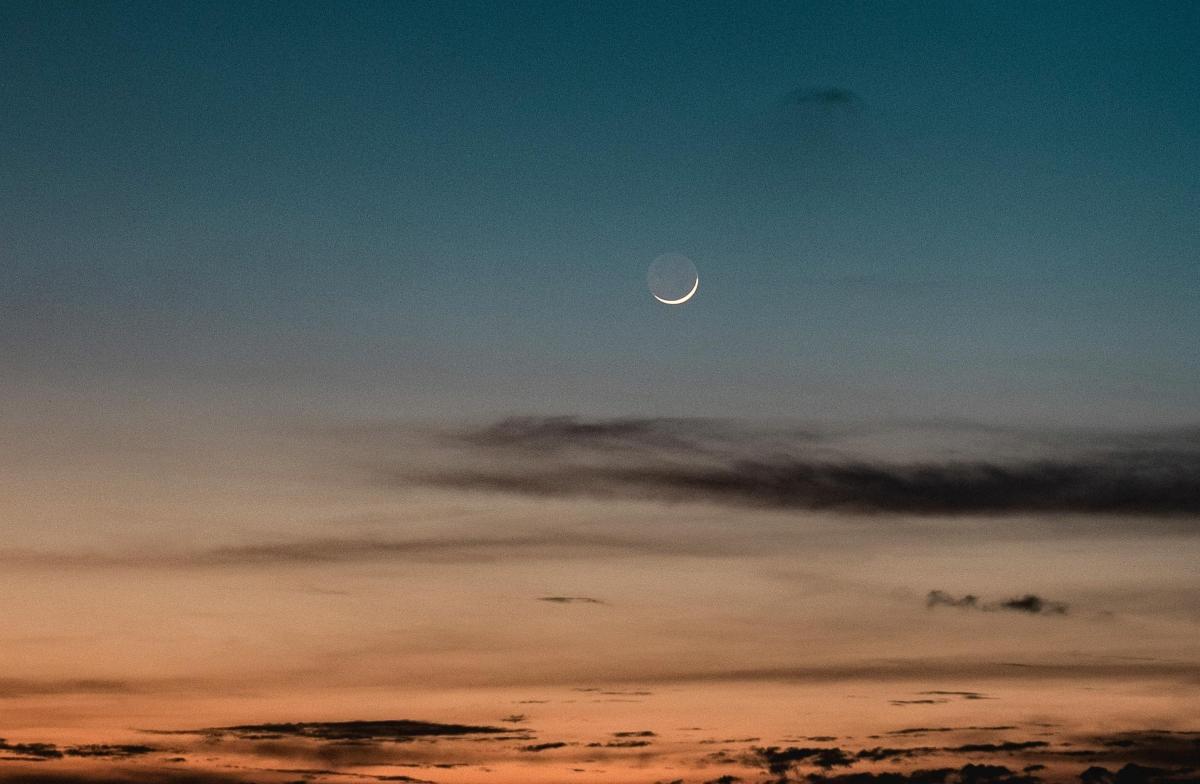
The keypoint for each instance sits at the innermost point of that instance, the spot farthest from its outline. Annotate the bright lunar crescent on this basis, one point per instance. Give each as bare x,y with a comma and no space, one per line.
673,279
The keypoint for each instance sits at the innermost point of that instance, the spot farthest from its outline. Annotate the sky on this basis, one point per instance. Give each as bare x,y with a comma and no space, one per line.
451,207
343,439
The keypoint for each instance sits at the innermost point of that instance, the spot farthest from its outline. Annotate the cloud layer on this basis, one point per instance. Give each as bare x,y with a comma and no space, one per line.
273,751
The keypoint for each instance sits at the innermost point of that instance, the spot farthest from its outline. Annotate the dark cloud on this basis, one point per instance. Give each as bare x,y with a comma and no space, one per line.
1066,669
967,774
1034,604
780,761
399,730
344,748
1005,746
1149,747
943,599
880,754
12,687
1150,757
541,435
39,750
570,600
1133,773
929,730
317,551
939,696
54,751
543,746
598,690
123,776
690,460
822,96
1029,603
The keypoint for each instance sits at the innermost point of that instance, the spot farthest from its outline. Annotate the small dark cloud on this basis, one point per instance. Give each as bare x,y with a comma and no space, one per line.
12,687
943,599
543,435
713,741
317,551
110,750
1029,603
930,730
515,718
880,754
400,730
636,734
612,692
780,761
139,776
966,695
967,774
308,774
32,750
536,747
570,600
95,750
822,96
1004,746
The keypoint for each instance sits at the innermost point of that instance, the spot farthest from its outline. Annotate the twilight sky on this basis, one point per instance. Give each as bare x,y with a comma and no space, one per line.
450,208
343,440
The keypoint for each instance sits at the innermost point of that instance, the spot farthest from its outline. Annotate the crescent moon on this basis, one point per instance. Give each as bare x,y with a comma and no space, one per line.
682,299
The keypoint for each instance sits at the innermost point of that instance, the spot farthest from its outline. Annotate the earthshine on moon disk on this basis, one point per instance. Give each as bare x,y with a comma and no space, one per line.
673,279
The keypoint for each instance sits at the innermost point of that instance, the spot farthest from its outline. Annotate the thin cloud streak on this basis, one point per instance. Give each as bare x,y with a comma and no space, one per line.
306,552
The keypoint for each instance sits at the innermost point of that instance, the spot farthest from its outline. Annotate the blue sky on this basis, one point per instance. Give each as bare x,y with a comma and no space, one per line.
449,208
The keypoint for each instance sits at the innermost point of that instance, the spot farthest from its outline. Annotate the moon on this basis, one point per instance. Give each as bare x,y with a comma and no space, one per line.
673,279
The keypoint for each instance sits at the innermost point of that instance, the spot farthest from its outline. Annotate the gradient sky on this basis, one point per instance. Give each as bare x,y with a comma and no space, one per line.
450,207
332,391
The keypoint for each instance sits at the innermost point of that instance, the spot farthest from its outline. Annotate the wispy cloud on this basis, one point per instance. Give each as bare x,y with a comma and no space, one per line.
390,730
692,460
822,96
536,747
1031,604
16,687
91,750
327,550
